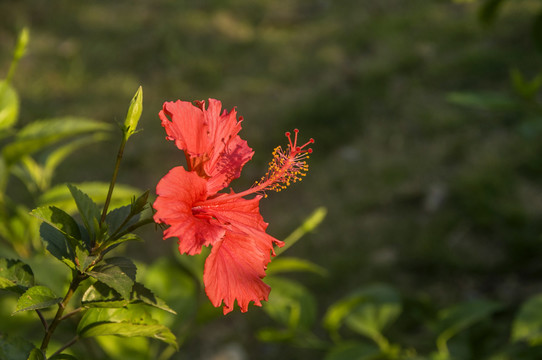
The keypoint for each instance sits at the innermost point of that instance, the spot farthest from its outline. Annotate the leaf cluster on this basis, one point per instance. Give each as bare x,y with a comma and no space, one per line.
74,229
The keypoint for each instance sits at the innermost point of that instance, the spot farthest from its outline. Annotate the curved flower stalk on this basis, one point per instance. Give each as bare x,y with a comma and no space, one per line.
199,215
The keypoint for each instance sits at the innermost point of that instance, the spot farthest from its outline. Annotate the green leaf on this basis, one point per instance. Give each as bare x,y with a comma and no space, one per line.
353,351
367,311
30,173
14,347
40,134
128,237
290,264
37,297
290,304
57,245
120,348
20,50
89,211
61,197
483,101
459,317
140,204
9,106
58,219
120,219
526,89
73,247
146,296
36,354
489,10
132,321
527,325
381,307
118,273
15,275
37,176
101,295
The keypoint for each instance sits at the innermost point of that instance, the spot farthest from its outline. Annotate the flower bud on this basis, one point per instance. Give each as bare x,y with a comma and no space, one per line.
22,43
134,113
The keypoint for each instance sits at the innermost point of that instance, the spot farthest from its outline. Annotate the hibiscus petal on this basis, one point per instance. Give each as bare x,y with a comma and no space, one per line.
234,271
229,152
244,215
178,193
187,127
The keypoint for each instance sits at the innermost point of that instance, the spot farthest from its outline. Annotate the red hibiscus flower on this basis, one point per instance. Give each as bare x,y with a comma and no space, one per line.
209,140
198,215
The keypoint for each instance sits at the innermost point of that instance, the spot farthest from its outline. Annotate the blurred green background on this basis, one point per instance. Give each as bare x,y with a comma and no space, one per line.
427,159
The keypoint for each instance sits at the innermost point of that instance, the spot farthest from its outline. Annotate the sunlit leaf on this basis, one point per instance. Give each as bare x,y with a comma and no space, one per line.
101,295
118,273
367,311
30,173
15,275
36,354
60,196
89,211
128,322
40,134
290,264
381,307
527,325
131,348
525,88
37,297
9,105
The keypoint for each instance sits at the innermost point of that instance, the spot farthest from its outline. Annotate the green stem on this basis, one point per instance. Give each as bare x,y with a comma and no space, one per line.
135,226
42,319
65,346
113,179
77,278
